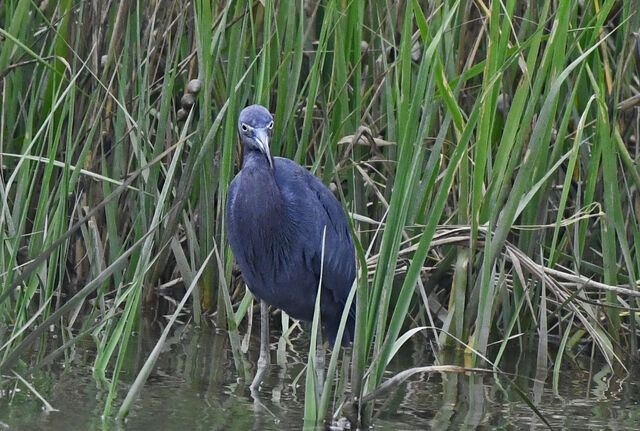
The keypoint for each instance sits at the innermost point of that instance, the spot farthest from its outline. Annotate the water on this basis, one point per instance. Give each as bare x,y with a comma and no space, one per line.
194,387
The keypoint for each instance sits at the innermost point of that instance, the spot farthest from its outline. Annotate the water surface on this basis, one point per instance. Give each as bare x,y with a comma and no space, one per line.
195,387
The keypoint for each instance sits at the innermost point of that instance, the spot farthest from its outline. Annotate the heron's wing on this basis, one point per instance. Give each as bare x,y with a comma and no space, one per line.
314,208
232,224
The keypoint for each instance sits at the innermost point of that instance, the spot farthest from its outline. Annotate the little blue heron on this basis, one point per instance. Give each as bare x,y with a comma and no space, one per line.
277,212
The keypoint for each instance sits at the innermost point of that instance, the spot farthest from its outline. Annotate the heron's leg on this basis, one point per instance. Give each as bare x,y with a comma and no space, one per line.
263,359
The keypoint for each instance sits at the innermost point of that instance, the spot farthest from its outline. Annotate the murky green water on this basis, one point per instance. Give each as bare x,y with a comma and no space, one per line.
194,387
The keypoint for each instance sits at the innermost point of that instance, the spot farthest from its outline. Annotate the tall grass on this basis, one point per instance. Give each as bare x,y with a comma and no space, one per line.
487,153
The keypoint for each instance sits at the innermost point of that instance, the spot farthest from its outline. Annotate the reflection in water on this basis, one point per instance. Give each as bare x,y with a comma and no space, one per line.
195,386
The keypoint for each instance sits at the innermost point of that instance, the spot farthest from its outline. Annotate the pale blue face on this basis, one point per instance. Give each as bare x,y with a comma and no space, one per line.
255,126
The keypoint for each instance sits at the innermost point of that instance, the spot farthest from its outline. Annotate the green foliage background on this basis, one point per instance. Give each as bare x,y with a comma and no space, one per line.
487,153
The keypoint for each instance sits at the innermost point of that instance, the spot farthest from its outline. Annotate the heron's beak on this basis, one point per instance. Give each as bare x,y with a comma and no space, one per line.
262,138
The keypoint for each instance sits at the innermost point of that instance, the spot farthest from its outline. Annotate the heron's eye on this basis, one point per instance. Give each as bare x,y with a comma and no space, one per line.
270,125
244,127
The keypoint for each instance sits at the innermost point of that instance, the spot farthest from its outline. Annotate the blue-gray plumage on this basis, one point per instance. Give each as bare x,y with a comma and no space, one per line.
276,214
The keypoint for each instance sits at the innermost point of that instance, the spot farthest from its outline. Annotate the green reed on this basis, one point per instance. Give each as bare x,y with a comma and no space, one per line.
486,152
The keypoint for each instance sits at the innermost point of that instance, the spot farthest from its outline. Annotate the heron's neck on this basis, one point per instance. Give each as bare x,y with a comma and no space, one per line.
254,159
261,188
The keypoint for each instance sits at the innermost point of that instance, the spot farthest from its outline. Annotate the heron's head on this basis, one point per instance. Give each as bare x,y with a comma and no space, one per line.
255,126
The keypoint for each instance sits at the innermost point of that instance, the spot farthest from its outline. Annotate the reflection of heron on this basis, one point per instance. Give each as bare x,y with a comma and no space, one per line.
277,212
